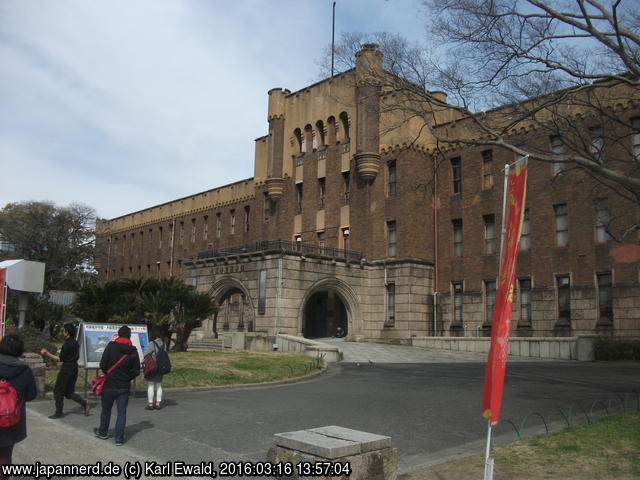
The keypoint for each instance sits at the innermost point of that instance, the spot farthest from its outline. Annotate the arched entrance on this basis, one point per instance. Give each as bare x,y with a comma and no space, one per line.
236,307
328,309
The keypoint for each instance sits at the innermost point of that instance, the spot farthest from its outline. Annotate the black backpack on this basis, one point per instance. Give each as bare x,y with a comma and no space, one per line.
163,362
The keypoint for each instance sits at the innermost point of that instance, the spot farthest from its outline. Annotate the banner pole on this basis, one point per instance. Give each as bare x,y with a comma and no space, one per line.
488,461
503,228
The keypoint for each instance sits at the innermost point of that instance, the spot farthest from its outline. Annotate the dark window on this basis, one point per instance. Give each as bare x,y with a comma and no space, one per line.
247,212
596,148
193,230
487,169
391,166
602,220
456,170
456,288
564,299
558,148
489,234
321,242
322,187
490,299
562,225
391,305
262,292
457,237
635,138
345,238
605,299
391,238
299,196
525,238
346,183
218,225
525,301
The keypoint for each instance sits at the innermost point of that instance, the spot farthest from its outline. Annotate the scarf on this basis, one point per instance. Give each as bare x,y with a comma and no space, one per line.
126,341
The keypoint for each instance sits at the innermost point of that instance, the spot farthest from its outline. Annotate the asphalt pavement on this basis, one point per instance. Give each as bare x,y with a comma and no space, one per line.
431,410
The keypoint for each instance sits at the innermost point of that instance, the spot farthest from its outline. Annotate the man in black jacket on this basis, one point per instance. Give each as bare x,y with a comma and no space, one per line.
118,382
68,374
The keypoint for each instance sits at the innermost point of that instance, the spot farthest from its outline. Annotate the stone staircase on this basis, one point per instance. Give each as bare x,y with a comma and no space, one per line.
208,344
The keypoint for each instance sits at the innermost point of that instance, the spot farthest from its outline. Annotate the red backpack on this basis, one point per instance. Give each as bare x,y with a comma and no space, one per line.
10,405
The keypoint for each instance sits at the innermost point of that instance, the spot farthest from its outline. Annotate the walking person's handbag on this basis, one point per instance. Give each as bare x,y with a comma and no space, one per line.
97,383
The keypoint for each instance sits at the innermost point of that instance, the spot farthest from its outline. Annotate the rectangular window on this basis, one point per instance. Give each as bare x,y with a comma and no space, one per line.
602,220
150,238
298,242
346,186
391,186
605,299
562,225
205,228
457,237
525,238
247,212
321,154
321,242
487,169
490,299
596,148
181,236
391,238
299,196
322,188
346,146
456,288
193,230
489,234
159,238
391,305
563,285
218,225
233,222
525,301
456,171
635,138
262,292
558,148
345,238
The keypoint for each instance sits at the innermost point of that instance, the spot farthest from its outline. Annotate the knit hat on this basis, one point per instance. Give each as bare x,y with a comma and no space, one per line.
124,331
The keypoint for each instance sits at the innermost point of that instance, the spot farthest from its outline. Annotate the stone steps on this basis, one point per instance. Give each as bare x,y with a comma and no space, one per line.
206,344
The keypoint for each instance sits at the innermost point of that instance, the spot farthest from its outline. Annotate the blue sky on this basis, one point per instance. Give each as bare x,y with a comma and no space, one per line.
125,104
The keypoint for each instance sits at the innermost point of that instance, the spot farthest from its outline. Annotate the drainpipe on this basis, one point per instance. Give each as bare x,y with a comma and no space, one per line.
435,204
173,236
109,256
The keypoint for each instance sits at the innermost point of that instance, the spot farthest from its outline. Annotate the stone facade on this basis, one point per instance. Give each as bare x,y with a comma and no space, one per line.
364,220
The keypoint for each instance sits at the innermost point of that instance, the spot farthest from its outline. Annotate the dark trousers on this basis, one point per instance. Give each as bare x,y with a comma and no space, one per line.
5,458
65,386
121,397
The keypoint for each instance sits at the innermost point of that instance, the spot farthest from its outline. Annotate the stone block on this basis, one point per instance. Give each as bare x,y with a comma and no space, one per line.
554,349
544,349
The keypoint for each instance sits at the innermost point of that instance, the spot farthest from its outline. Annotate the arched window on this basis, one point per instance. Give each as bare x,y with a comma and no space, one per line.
307,138
344,120
320,134
298,136
331,131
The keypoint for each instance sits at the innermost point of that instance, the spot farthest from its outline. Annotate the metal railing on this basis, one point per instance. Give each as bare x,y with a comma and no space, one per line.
285,246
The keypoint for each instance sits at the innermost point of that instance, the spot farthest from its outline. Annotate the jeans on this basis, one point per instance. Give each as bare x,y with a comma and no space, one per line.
121,397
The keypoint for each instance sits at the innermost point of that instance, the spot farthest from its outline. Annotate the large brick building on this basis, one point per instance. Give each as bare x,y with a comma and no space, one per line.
348,222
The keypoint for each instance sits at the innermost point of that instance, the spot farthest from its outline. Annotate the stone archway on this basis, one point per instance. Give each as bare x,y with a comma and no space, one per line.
327,304
237,311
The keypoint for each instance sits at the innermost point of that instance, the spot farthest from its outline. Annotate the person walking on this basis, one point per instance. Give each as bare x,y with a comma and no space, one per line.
154,380
68,374
123,356
20,376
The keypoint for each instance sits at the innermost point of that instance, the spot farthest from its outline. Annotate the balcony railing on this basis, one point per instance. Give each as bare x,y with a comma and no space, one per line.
283,246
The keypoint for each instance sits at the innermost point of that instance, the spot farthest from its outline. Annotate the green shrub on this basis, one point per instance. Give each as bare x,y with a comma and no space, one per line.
614,349
34,340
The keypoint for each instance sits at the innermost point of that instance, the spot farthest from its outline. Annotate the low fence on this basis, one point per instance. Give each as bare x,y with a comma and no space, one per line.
311,348
561,348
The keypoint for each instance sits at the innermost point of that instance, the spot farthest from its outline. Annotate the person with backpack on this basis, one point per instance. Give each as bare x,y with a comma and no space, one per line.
68,374
17,386
158,353
123,357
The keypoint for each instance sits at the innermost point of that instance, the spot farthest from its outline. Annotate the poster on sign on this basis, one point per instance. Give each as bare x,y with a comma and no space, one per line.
94,337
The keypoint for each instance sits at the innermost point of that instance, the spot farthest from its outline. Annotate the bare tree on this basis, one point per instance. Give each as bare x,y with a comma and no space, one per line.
555,80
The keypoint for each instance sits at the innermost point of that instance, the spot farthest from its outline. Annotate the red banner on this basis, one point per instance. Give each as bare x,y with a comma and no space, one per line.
3,275
501,320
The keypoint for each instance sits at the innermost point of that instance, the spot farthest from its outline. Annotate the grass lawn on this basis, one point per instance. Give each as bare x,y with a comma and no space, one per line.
218,367
608,448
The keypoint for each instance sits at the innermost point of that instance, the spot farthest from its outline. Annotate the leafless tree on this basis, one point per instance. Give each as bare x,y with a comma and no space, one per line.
567,70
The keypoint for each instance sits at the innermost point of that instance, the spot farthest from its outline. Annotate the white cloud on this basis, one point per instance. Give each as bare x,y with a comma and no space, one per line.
122,105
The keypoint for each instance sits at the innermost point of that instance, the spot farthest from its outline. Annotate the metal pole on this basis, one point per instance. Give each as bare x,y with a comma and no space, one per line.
504,210
488,461
333,36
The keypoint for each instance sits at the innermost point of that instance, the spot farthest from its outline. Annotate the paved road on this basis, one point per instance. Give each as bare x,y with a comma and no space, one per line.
431,410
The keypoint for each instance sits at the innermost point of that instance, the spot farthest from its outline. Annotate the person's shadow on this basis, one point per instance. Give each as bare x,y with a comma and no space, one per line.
134,429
